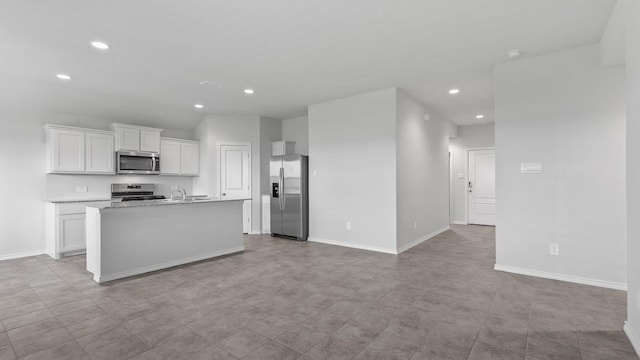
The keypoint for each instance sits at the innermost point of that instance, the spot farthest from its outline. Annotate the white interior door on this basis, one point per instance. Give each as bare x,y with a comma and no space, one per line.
235,176
482,187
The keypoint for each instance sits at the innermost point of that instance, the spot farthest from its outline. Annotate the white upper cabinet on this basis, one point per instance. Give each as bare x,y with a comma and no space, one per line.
179,157
65,150
169,157
73,150
190,158
137,138
128,139
99,153
150,141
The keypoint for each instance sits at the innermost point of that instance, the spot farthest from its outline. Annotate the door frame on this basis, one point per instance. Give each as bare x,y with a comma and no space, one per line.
466,178
219,144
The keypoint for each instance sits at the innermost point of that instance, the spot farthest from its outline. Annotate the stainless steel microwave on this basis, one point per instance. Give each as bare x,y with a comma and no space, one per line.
132,162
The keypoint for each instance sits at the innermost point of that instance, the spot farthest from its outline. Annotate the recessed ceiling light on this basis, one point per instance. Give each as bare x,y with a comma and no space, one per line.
248,91
63,76
100,45
454,91
479,116
198,106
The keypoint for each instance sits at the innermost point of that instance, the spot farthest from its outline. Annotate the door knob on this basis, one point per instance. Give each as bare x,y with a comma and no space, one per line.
224,194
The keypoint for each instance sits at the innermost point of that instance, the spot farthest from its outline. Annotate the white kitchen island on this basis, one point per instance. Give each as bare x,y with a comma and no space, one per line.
131,238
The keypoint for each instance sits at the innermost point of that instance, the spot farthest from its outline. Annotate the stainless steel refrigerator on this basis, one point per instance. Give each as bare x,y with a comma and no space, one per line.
289,196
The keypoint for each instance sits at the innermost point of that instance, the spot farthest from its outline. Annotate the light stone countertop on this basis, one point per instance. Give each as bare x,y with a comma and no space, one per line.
146,203
63,201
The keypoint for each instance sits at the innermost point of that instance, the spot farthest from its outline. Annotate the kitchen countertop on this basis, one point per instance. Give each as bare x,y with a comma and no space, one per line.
144,203
63,201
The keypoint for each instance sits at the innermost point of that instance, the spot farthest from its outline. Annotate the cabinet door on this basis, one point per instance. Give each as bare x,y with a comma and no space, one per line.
67,147
169,157
149,141
99,153
71,232
128,139
190,159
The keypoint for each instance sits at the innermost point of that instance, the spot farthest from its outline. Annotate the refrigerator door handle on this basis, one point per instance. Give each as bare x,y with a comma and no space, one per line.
281,189
283,194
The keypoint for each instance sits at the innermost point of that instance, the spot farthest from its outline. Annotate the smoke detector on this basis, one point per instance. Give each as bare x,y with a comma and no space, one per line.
514,54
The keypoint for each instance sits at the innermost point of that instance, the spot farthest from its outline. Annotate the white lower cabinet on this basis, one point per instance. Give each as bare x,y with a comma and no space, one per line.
266,214
65,228
71,232
179,157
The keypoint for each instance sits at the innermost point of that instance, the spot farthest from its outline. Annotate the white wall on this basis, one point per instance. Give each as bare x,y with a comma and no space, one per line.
567,112
352,148
229,128
270,131
26,186
632,10
422,179
297,130
469,137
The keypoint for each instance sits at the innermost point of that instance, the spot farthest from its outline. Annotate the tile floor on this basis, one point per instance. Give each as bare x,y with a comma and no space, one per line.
282,299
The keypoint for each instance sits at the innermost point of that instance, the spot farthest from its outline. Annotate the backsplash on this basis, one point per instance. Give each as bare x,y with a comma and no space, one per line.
59,186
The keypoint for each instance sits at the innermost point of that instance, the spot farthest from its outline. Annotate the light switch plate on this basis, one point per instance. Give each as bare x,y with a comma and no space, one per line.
554,249
81,189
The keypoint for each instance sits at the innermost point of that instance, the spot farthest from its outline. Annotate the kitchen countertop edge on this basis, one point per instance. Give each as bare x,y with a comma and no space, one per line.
151,203
64,201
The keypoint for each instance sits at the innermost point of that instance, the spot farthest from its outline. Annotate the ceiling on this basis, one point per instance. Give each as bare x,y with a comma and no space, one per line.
292,52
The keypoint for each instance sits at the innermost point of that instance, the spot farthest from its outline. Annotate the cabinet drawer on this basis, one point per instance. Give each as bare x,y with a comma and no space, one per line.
70,208
78,207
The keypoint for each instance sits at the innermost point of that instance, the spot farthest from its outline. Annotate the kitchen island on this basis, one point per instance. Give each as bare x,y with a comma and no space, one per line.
131,238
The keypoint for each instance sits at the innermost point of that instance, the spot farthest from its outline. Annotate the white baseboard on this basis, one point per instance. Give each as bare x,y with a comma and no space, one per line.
422,239
459,223
633,337
168,264
352,245
20,255
255,232
562,277
266,232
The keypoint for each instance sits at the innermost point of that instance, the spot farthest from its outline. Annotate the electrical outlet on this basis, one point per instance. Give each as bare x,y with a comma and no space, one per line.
315,172
81,189
554,249
348,225
415,225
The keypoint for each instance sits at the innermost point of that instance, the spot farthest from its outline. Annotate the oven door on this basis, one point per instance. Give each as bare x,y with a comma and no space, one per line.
137,163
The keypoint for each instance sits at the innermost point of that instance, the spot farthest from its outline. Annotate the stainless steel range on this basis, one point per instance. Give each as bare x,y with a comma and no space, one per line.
134,192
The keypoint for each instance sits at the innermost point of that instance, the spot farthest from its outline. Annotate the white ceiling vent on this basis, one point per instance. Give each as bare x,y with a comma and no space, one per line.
210,84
